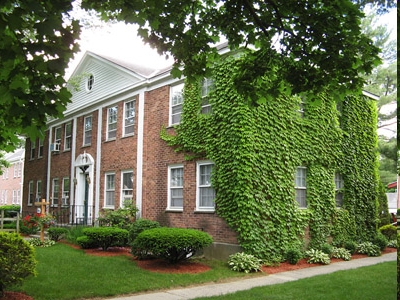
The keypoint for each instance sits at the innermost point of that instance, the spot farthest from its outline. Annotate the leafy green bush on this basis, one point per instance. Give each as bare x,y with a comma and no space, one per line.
74,233
317,256
38,243
121,217
380,240
242,262
17,260
327,248
392,244
351,246
341,253
57,233
368,248
10,210
107,237
172,244
293,256
389,231
139,226
86,243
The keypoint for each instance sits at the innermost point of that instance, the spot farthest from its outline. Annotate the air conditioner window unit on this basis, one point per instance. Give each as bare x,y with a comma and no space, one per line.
54,147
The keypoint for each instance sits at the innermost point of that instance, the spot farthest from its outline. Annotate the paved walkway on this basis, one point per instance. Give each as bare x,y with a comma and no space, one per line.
216,289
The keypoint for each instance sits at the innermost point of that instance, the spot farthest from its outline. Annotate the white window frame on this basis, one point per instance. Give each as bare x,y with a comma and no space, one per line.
15,165
176,104
207,85
208,185
57,135
109,190
41,148
175,187
15,197
65,191
87,130
339,185
126,192
68,136
112,118
89,83
30,193
301,187
55,189
129,117
38,190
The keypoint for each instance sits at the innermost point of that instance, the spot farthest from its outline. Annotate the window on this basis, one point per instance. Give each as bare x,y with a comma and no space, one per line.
175,187
339,185
68,136
38,190
17,169
65,192
5,173
41,147
3,197
129,121
30,193
87,134
15,197
176,104
205,192
55,192
89,83
302,106
300,186
57,135
127,187
207,86
110,190
112,122
33,149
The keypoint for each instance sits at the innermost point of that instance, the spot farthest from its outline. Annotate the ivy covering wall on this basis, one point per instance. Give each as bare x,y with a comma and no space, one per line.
256,151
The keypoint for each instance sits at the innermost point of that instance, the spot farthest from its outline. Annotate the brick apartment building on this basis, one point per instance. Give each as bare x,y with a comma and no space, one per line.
11,180
107,149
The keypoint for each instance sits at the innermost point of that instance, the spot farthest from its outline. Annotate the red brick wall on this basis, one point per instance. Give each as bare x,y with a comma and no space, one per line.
157,157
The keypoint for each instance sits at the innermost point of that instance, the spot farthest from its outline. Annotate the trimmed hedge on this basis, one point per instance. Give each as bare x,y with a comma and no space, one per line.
17,260
57,233
172,244
139,226
389,231
106,237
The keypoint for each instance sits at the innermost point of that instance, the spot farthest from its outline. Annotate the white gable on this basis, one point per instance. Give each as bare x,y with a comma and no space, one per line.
109,79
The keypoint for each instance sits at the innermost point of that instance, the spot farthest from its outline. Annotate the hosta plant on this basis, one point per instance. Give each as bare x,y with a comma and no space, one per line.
341,253
242,262
317,257
369,249
392,244
38,243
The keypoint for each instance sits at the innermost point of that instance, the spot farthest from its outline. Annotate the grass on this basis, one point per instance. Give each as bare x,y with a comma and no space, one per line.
67,273
366,283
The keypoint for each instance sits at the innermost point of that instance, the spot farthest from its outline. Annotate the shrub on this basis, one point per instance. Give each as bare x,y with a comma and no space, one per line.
57,233
172,244
317,256
392,244
380,240
139,226
86,243
17,260
293,256
341,253
107,237
389,231
38,243
351,246
74,233
122,217
369,249
242,262
327,248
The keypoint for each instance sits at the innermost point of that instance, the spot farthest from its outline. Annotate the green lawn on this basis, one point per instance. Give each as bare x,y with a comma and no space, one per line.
377,282
67,273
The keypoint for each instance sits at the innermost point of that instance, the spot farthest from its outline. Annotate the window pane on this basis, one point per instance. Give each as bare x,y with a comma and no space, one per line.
205,174
177,197
301,197
177,177
207,196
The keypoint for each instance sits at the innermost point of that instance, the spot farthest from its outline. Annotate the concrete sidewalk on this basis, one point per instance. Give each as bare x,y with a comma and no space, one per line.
216,289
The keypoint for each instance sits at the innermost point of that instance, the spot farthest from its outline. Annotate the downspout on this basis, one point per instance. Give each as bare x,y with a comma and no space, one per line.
49,167
72,170
139,159
98,164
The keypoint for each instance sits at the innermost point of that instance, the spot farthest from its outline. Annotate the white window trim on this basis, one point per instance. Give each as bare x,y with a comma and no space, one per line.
134,117
53,194
301,187
108,122
57,140
122,199
38,197
41,148
67,136
171,105
89,84
169,206
30,192
33,148
86,131
338,190
64,199
106,190
198,208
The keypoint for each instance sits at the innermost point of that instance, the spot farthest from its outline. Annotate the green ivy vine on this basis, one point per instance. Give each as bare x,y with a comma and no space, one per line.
256,150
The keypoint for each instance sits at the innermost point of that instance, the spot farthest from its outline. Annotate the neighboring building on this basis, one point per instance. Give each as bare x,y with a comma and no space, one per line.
12,179
107,149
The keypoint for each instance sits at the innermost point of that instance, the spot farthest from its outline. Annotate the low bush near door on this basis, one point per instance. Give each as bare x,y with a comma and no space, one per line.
104,237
